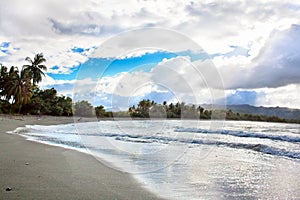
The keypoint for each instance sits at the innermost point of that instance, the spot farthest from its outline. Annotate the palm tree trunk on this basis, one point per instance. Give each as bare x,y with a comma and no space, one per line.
20,106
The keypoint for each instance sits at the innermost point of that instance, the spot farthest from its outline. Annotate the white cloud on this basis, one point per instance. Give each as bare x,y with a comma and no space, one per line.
125,84
285,96
193,82
55,27
224,61
145,39
179,77
137,53
2,54
263,27
176,78
49,81
277,64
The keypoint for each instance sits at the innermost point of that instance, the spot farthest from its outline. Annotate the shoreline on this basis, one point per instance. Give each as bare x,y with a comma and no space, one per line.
39,171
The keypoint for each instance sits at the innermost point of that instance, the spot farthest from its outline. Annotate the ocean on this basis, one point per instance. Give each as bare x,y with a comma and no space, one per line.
190,159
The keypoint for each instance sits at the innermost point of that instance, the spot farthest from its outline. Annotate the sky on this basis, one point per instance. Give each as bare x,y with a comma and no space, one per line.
115,53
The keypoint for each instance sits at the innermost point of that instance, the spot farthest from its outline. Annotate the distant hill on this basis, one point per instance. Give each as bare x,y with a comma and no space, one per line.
281,112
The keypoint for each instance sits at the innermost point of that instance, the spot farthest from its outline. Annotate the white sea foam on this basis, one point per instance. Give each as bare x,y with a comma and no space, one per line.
189,159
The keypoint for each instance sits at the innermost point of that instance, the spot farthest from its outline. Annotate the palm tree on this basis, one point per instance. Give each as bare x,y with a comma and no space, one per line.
19,87
9,83
143,107
3,80
35,68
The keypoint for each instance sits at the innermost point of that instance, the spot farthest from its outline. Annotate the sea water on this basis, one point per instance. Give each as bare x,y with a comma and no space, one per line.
190,159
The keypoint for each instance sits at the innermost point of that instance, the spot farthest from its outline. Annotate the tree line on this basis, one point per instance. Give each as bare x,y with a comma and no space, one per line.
19,93
151,109
147,109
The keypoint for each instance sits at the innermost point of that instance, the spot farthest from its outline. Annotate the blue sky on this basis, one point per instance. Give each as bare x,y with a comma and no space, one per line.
249,49
97,67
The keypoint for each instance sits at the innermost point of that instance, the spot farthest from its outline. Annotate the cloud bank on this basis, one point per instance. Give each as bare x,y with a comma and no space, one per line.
253,44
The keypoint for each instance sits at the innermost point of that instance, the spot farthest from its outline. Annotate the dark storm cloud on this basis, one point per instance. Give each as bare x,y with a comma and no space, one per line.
278,64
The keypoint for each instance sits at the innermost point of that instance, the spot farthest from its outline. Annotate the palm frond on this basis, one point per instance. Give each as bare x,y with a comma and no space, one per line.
29,59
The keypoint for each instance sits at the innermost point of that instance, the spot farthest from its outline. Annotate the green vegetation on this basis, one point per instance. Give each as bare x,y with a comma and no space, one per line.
150,109
19,92
101,113
47,102
35,68
147,108
252,117
83,109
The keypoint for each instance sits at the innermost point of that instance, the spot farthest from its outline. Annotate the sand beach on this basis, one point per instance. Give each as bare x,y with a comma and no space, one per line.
30,170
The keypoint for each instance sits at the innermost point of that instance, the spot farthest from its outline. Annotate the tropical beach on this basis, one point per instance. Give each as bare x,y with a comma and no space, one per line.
149,99
62,158
30,170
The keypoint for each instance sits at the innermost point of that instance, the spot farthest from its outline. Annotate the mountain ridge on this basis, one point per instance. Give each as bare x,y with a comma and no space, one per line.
282,112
